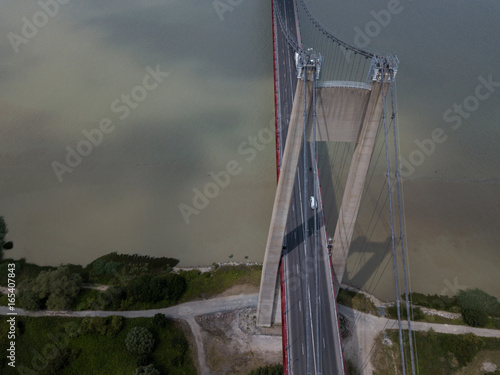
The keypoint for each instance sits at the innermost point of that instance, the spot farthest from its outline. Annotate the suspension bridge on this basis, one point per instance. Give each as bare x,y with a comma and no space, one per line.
326,90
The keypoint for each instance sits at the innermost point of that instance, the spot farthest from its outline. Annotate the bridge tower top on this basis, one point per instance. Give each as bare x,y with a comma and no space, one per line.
308,60
383,68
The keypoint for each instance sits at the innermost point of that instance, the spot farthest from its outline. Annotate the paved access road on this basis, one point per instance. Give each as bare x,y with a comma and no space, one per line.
182,311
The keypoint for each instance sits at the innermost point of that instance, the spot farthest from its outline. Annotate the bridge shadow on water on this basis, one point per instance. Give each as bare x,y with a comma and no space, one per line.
328,190
367,263
368,260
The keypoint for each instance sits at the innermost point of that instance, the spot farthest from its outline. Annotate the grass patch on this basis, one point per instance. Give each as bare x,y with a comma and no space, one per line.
95,353
438,353
356,301
208,284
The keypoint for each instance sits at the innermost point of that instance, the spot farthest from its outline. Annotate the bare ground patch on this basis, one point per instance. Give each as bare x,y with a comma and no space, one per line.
240,289
229,350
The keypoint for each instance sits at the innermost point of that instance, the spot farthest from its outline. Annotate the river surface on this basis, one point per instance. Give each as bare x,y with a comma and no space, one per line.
117,116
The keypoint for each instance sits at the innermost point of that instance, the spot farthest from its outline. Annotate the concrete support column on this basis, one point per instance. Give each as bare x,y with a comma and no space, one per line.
269,286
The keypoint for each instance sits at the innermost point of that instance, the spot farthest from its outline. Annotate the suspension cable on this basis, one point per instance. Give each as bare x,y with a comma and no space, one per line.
306,226
384,117
332,37
404,226
401,229
316,247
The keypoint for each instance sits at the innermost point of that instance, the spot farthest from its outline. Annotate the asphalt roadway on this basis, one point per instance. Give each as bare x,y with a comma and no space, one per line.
313,335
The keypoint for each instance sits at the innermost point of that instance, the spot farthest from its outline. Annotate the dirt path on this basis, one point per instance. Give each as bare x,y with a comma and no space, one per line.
181,311
196,331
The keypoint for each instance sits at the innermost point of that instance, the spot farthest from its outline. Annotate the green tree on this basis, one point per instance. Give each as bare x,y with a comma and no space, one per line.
55,290
3,233
478,299
147,288
113,297
103,267
139,340
176,286
28,297
91,325
160,320
475,317
109,326
146,370
464,347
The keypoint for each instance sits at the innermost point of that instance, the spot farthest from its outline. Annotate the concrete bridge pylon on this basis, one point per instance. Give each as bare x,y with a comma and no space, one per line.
269,296
351,112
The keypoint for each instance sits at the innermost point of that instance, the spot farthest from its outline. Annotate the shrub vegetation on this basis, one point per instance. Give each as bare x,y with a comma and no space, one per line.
477,299
54,290
475,317
140,341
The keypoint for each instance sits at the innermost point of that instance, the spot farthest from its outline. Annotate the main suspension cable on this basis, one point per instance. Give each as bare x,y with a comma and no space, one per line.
384,117
401,228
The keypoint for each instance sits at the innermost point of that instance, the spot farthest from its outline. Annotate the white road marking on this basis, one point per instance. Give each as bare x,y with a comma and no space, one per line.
312,331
